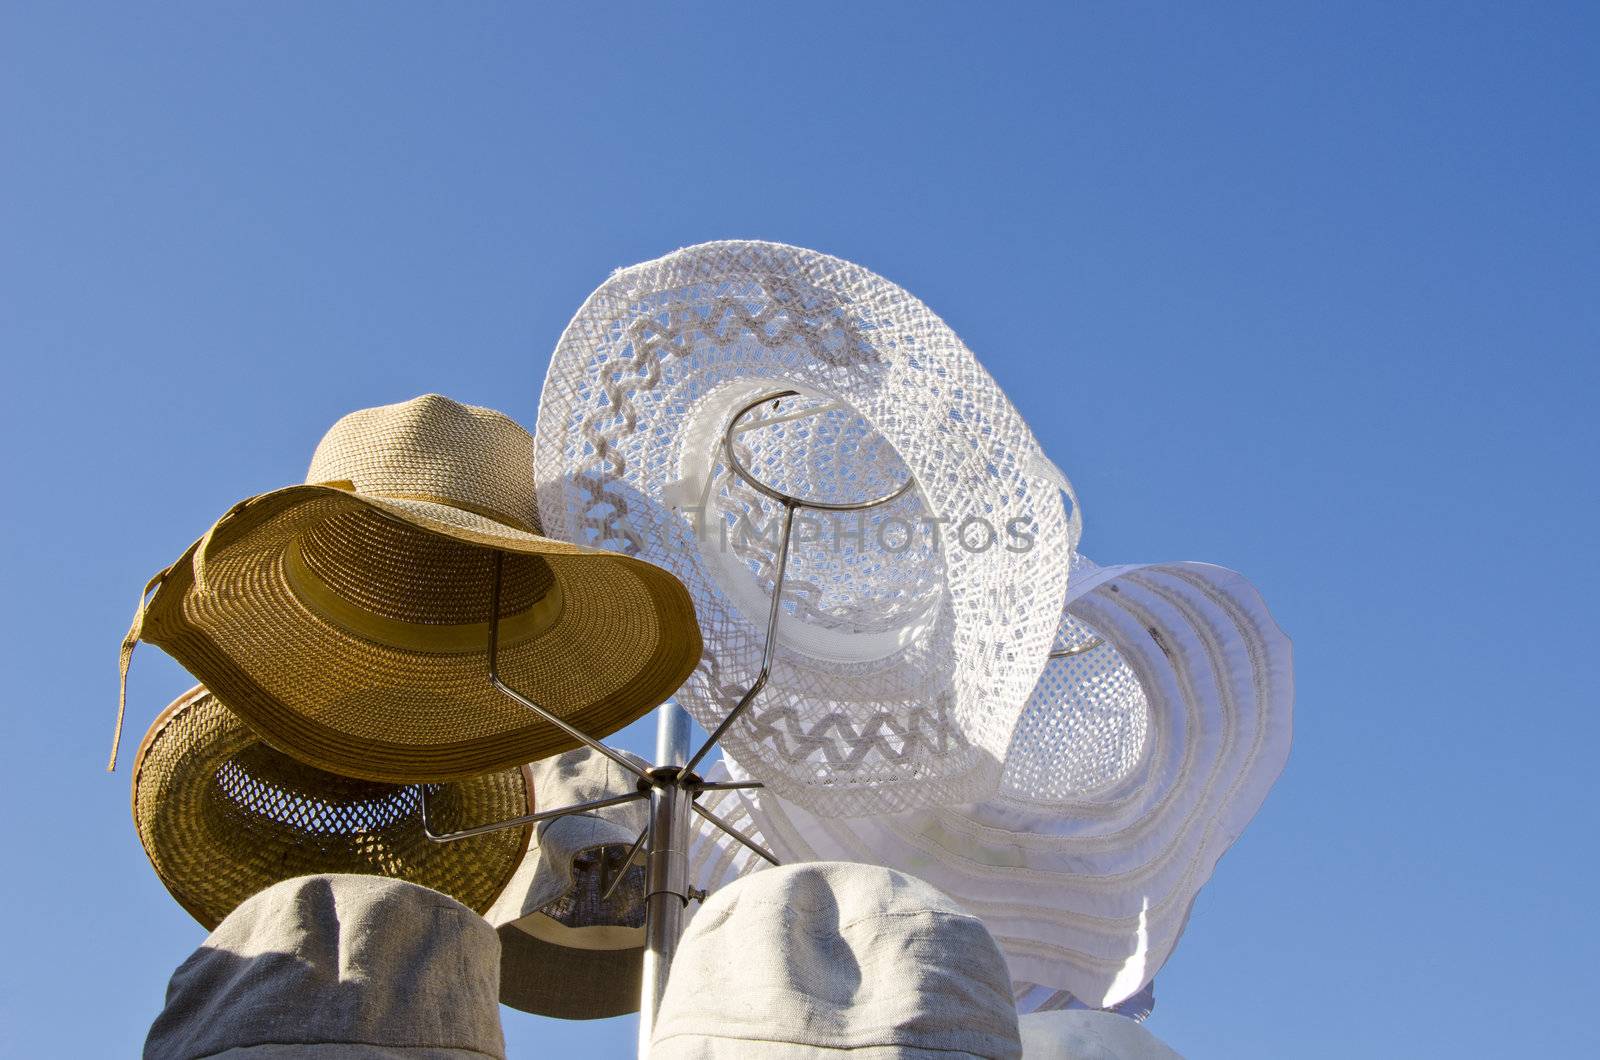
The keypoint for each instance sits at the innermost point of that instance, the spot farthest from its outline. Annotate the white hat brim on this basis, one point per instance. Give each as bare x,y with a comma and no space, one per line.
1091,894
929,721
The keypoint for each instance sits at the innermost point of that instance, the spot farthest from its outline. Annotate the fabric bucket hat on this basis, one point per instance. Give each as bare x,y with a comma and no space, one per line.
1146,748
823,959
330,965
911,632
346,620
222,816
568,948
571,931
1088,1035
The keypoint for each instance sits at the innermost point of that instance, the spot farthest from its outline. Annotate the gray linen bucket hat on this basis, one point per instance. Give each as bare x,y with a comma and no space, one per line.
567,948
1086,1034
810,961
360,967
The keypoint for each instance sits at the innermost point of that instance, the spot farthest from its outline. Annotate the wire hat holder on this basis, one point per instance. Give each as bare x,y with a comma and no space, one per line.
671,786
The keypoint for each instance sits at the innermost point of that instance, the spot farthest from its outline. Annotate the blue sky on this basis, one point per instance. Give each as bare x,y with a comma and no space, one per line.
1306,290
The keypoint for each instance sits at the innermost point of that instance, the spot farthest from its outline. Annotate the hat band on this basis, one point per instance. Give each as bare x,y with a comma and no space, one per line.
483,510
464,638
600,938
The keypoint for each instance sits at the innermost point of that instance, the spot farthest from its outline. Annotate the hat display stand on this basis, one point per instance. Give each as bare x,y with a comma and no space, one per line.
672,786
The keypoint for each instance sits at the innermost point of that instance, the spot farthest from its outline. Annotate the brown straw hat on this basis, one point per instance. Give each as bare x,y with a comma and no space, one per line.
223,816
346,620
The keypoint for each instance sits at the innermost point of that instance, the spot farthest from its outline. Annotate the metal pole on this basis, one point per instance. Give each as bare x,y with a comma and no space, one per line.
672,735
667,870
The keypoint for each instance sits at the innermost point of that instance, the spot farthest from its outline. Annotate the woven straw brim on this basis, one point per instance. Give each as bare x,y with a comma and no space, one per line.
351,632
223,816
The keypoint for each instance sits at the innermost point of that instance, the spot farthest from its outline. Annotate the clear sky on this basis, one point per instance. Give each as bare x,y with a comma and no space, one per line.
1305,290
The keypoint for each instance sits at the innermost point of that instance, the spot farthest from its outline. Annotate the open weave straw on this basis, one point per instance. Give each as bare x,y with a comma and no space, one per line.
222,815
910,635
347,619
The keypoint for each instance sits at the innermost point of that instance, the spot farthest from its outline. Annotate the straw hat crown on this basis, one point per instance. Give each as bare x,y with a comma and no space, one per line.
434,449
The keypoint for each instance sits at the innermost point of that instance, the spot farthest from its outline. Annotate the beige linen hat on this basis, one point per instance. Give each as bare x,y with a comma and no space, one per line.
222,816
356,967
824,958
1080,1034
568,949
346,620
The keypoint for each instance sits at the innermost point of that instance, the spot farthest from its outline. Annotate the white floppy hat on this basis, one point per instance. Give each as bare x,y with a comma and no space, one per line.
912,633
812,961
1150,742
572,945
337,965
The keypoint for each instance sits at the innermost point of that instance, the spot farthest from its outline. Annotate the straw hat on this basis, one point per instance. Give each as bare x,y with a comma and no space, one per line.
1088,1035
912,632
346,619
808,962
1140,759
222,816
566,948
331,965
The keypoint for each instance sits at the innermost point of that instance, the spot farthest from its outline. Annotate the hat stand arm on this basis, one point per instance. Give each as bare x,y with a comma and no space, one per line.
790,505
723,785
766,653
733,832
514,822
494,679
608,887
1067,653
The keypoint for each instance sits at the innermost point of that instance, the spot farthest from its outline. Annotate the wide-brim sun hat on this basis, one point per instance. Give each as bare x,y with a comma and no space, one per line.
571,932
912,632
347,620
334,965
716,860
822,960
222,816
1147,747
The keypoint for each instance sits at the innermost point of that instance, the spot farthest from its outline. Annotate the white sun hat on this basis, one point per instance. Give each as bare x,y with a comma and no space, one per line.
1148,745
716,860
911,633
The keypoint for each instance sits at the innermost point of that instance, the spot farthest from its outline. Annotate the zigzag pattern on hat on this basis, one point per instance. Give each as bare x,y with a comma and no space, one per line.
782,319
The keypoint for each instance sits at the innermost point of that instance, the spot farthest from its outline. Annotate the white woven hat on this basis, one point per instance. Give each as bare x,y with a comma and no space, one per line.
1140,759
1080,1035
808,962
906,647
715,860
